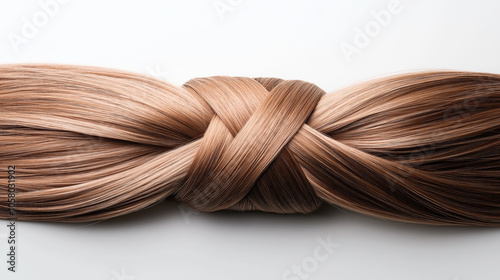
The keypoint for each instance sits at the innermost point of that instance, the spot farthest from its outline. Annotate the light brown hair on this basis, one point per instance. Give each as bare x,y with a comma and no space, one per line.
90,144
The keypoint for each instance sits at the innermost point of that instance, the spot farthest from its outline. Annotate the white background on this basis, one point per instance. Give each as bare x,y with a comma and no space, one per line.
179,40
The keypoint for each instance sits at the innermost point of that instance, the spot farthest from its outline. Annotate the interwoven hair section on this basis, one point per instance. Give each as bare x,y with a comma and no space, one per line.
83,144
244,161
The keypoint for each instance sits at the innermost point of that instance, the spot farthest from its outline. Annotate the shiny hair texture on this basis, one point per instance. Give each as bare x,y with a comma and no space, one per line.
83,144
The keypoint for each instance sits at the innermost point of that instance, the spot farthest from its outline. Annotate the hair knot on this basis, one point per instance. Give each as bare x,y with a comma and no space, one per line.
243,161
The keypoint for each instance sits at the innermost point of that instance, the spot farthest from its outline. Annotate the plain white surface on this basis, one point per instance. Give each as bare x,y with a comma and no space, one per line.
179,40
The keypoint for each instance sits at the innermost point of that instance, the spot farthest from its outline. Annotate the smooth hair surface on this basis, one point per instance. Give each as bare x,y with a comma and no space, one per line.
89,144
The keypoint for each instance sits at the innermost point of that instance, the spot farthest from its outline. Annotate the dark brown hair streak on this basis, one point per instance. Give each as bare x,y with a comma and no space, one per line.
456,113
92,143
